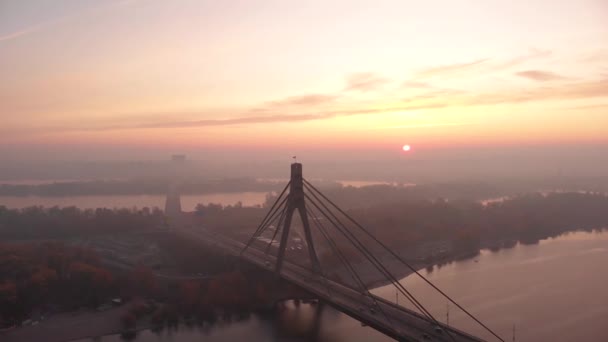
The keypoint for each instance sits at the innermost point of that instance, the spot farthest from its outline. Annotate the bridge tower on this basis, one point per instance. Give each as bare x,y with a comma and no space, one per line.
295,200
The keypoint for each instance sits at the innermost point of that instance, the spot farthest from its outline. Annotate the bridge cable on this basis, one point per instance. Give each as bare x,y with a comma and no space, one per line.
376,263
268,214
403,261
261,227
347,263
352,272
264,220
370,257
278,227
272,218
337,250
379,267
316,222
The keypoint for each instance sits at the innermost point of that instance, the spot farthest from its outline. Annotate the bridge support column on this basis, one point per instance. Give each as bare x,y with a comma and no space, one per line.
316,325
295,200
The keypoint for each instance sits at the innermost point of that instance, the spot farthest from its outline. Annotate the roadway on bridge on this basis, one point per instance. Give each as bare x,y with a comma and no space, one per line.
393,320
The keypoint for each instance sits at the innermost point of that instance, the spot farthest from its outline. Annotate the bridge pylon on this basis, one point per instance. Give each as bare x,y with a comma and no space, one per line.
351,297
295,200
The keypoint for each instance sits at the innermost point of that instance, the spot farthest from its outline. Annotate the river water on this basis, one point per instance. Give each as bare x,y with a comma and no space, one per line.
189,202
552,291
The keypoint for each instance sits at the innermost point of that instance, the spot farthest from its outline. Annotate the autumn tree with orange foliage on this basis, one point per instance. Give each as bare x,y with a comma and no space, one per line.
35,275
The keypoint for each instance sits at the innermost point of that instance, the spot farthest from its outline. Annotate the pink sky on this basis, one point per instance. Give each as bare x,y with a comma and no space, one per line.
262,75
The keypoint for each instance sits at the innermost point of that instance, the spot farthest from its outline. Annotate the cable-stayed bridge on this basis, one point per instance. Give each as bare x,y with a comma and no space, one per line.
326,221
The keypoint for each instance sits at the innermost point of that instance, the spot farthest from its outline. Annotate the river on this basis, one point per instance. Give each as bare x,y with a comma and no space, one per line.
551,291
189,202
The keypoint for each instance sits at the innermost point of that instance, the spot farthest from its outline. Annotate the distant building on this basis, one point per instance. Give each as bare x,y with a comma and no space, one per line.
178,158
173,204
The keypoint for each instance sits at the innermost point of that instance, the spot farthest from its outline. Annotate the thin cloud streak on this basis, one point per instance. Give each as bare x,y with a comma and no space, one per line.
278,118
580,90
534,54
37,27
539,75
416,85
304,100
20,33
479,65
433,100
598,56
365,81
450,69
428,125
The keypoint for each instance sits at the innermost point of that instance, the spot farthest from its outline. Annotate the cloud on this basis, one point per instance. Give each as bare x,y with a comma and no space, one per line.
428,125
39,26
533,54
248,119
304,100
480,65
238,120
539,75
456,98
365,81
436,99
446,70
598,56
435,94
590,107
20,33
416,84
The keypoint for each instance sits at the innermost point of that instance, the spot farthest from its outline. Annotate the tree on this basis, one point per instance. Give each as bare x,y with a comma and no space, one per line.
128,321
8,301
143,281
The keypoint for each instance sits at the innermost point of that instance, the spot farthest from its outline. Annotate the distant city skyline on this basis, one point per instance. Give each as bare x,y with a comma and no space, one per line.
148,77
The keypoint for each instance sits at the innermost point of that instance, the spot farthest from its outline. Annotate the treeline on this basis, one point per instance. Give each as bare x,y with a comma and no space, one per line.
362,197
526,218
49,277
348,197
136,187
52,277
401,220
187,257
232,293
55,222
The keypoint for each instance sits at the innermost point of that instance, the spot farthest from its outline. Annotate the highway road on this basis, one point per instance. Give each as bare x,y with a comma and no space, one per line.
395,321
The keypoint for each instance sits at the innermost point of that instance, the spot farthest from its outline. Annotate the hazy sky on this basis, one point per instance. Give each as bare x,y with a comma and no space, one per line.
284,75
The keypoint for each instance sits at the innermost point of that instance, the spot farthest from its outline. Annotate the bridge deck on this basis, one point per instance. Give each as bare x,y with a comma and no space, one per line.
395,321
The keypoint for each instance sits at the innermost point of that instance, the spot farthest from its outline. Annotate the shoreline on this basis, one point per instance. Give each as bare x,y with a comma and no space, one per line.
74,325
405,272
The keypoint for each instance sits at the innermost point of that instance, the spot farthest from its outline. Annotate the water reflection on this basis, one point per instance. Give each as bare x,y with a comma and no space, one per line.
288,323
552,291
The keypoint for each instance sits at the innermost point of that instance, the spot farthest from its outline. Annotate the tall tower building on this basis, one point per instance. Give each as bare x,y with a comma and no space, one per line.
173,204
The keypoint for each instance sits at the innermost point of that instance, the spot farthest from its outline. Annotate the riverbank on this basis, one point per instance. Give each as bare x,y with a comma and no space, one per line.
372,278
75,325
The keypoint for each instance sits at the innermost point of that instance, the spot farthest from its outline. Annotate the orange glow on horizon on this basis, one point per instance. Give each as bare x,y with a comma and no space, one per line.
189,86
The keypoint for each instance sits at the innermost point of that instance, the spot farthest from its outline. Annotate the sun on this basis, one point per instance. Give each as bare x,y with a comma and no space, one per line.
407,148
